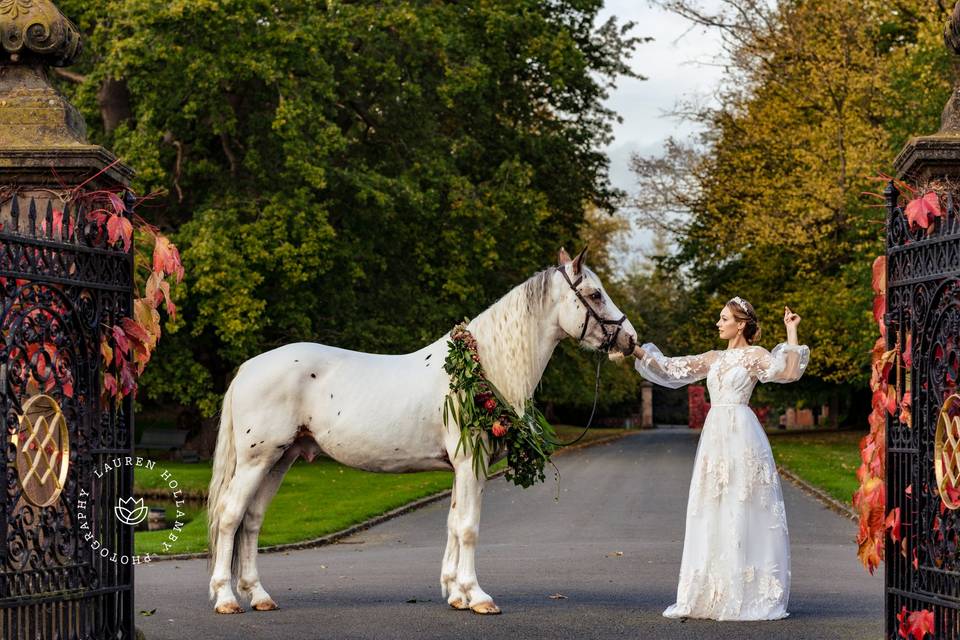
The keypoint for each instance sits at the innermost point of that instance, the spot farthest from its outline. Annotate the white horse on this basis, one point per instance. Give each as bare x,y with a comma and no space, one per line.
385,413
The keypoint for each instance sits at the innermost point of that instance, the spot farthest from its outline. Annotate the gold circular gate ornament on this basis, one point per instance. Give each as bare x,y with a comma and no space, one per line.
946,452
43,450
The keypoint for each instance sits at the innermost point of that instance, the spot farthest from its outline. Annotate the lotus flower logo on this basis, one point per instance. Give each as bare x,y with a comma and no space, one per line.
130,511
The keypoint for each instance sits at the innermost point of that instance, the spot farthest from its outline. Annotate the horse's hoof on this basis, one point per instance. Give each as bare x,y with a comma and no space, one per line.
230,607
266,605
459,604
486,608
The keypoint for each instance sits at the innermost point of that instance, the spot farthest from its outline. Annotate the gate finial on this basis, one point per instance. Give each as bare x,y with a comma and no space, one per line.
34,31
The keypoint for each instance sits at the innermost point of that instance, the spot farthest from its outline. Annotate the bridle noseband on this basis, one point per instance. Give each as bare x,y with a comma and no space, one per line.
609,336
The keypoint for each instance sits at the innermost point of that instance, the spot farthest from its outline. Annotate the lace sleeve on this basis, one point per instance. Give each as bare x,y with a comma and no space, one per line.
673,372
785,363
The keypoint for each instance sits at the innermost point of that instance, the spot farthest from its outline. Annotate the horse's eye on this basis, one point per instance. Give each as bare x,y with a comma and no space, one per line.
596,295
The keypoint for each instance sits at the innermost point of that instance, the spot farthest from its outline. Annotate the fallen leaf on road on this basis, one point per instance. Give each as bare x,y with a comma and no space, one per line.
145,612
558,596
615,554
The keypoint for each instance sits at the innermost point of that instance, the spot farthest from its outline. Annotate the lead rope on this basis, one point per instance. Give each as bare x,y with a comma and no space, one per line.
596,396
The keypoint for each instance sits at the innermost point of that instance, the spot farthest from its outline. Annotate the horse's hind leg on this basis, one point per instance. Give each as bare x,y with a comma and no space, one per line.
243,485
249,578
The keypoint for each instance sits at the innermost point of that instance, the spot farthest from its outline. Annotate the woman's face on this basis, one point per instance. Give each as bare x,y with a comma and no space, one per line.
728,325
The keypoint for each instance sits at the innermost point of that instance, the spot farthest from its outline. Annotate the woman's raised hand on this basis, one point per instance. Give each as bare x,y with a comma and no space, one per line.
790,319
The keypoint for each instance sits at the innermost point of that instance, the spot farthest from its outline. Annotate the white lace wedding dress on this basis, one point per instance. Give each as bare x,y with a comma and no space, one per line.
736,550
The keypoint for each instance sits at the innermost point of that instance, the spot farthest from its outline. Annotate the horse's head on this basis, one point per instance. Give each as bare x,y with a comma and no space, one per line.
585,310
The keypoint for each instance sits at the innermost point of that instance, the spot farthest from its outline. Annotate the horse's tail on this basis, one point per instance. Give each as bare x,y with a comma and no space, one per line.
224,467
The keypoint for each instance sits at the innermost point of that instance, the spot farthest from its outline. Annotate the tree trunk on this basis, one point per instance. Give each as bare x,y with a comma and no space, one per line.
114,100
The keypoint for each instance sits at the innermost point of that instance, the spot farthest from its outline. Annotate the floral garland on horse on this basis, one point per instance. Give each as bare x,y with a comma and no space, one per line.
487,422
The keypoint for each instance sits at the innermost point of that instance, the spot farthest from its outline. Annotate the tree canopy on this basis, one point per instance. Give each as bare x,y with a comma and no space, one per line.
359,174
769,201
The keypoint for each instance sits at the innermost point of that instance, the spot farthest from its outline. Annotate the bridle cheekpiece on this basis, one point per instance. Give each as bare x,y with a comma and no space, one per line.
609,336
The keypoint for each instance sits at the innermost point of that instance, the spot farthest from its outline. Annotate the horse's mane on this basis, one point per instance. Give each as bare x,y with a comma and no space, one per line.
507,336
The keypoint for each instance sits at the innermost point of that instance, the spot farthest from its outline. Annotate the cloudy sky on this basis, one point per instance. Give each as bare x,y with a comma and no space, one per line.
680,63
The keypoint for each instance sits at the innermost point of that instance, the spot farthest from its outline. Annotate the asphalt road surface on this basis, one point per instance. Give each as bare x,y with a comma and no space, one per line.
611,545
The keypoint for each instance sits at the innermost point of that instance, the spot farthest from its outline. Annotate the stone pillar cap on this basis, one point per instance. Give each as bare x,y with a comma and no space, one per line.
35,32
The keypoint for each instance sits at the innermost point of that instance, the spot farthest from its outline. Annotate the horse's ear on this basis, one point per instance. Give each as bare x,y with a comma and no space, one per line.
563,257
578,262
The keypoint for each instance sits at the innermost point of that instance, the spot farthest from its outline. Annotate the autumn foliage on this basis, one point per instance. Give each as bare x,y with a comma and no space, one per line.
922,207
915,624
870,498
126,347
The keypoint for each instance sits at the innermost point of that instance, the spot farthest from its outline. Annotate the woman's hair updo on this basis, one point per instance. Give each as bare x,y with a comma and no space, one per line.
743,311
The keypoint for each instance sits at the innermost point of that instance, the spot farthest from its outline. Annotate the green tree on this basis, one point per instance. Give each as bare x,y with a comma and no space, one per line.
768,203
358,174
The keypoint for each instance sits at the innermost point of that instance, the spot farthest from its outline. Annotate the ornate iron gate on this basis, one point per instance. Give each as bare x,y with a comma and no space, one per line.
59,284
923,306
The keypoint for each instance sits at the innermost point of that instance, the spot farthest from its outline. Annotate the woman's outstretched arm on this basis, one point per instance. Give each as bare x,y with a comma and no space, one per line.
671,372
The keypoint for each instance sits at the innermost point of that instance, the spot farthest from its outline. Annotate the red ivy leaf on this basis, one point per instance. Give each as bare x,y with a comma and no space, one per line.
148,318
891,404
879,307
128,381
921,210
110,384
893,523
115,202
106,352
120,339
158,290
906,416
915,624
135,332
868,555
118,227
166,258
880,275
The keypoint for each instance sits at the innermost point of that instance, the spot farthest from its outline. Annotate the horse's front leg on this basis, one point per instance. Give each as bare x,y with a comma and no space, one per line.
468,492
451,557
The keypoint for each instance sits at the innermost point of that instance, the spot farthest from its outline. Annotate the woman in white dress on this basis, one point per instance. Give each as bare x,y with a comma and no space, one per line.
736,550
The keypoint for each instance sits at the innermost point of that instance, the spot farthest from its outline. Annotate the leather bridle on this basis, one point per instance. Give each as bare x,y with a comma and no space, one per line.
609,335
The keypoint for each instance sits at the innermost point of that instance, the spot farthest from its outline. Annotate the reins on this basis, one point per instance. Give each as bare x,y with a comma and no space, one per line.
596,396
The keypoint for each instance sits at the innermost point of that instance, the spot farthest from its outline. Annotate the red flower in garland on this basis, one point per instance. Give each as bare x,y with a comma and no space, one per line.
490,405
499,429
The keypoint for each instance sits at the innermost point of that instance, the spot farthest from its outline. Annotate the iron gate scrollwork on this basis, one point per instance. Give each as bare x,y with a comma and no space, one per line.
60,284
923,310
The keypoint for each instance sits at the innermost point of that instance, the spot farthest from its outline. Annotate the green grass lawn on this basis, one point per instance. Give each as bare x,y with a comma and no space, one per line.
314,500
826,460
